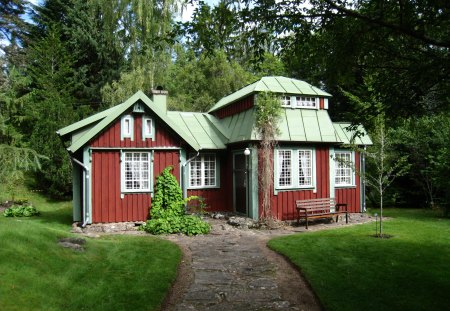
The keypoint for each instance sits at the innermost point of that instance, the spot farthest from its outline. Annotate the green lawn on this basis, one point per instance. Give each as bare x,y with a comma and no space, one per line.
114,273
350,270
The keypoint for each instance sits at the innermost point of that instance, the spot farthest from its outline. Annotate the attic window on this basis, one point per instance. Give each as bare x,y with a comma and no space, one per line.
286,101
148,128
306,102
126,127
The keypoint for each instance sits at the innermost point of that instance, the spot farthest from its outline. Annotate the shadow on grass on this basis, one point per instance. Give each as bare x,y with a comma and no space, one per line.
62,217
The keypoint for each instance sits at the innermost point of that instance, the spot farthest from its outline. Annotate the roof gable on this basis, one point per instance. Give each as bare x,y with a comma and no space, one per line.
281,85
107,117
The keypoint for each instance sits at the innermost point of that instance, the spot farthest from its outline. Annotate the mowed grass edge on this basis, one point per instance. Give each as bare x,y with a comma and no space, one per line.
349,269
115,272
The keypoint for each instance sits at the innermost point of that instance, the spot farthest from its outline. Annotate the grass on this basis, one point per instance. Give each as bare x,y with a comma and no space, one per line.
350,270
114,273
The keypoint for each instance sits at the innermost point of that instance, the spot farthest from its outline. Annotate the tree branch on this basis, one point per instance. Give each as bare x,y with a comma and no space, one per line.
398,28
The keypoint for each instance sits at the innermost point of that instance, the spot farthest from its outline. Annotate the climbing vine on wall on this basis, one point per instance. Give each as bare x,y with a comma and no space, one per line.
167,214
268,113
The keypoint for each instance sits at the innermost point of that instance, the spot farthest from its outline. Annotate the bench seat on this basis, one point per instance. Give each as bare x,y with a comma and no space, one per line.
320,208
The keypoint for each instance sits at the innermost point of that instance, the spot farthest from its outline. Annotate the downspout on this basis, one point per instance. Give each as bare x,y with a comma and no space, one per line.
183,171
85,191
363,175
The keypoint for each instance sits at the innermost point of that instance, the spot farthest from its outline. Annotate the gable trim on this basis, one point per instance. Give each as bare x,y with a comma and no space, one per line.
114,115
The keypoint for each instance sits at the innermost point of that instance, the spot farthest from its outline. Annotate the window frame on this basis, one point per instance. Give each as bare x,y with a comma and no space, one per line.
151,133
293,101
286,99
306,99
350,169
201,160
127,134
123,171
295,169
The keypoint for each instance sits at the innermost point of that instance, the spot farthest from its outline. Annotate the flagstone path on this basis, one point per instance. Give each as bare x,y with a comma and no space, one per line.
232,269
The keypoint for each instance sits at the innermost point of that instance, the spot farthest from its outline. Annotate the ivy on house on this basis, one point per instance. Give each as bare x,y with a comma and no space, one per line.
167,214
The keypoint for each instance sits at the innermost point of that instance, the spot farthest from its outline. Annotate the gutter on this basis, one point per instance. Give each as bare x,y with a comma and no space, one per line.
363,175
85,191
183,174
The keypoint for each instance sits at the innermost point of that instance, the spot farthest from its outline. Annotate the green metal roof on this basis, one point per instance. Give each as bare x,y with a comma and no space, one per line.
200,127
86,122
281,85
295,125
107,117
348,136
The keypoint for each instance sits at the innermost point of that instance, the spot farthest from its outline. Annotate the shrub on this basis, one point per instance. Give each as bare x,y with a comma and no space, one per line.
167,212
21,211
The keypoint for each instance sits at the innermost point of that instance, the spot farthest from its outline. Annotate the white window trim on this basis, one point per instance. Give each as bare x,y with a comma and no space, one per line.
284,99
148,132
293,102
122,172
123,133
295,185
352,174
202,172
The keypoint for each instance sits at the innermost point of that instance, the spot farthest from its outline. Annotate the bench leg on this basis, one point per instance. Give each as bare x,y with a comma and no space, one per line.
337,218
306,217
346,218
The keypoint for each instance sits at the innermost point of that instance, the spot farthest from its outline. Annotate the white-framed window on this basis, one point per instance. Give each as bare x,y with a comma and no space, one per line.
305,168
295,168
148,128
344,174
285,168
203,171
286,101
127,127
306,101
136,171
300,101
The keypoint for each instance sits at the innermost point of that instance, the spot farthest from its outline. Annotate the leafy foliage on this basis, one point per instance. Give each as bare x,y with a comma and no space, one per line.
167,201
167,211
268,113
21,211
425,140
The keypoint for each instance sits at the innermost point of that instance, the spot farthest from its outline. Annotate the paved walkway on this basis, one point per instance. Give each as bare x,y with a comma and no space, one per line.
232,269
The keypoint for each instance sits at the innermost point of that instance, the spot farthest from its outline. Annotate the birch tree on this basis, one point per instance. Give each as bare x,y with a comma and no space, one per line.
384,165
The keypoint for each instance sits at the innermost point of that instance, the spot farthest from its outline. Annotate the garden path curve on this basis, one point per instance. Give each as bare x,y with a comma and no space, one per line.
232,269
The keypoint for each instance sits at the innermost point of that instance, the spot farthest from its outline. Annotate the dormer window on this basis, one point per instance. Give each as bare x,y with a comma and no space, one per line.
306,102
286,101
148,128
300,101
126,127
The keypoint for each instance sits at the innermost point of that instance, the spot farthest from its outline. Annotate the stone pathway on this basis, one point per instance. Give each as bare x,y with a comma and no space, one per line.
232,269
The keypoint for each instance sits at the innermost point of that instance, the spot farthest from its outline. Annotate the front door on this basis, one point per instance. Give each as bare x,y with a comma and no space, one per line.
240,184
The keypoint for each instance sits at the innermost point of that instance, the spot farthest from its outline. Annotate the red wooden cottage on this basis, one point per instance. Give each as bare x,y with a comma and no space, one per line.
118,153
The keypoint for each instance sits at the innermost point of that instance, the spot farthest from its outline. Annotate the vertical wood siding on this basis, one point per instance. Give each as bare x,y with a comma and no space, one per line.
283,204
219,199
237,107
107,204
351,196
164,136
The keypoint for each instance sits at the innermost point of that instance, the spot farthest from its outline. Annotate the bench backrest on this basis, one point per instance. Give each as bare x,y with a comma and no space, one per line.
322,205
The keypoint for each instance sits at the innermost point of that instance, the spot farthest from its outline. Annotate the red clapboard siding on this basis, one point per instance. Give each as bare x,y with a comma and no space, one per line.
239,106
351,196
107,204
283,204
164,137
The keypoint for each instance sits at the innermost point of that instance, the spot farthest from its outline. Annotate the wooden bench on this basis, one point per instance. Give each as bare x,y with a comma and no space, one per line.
320,208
